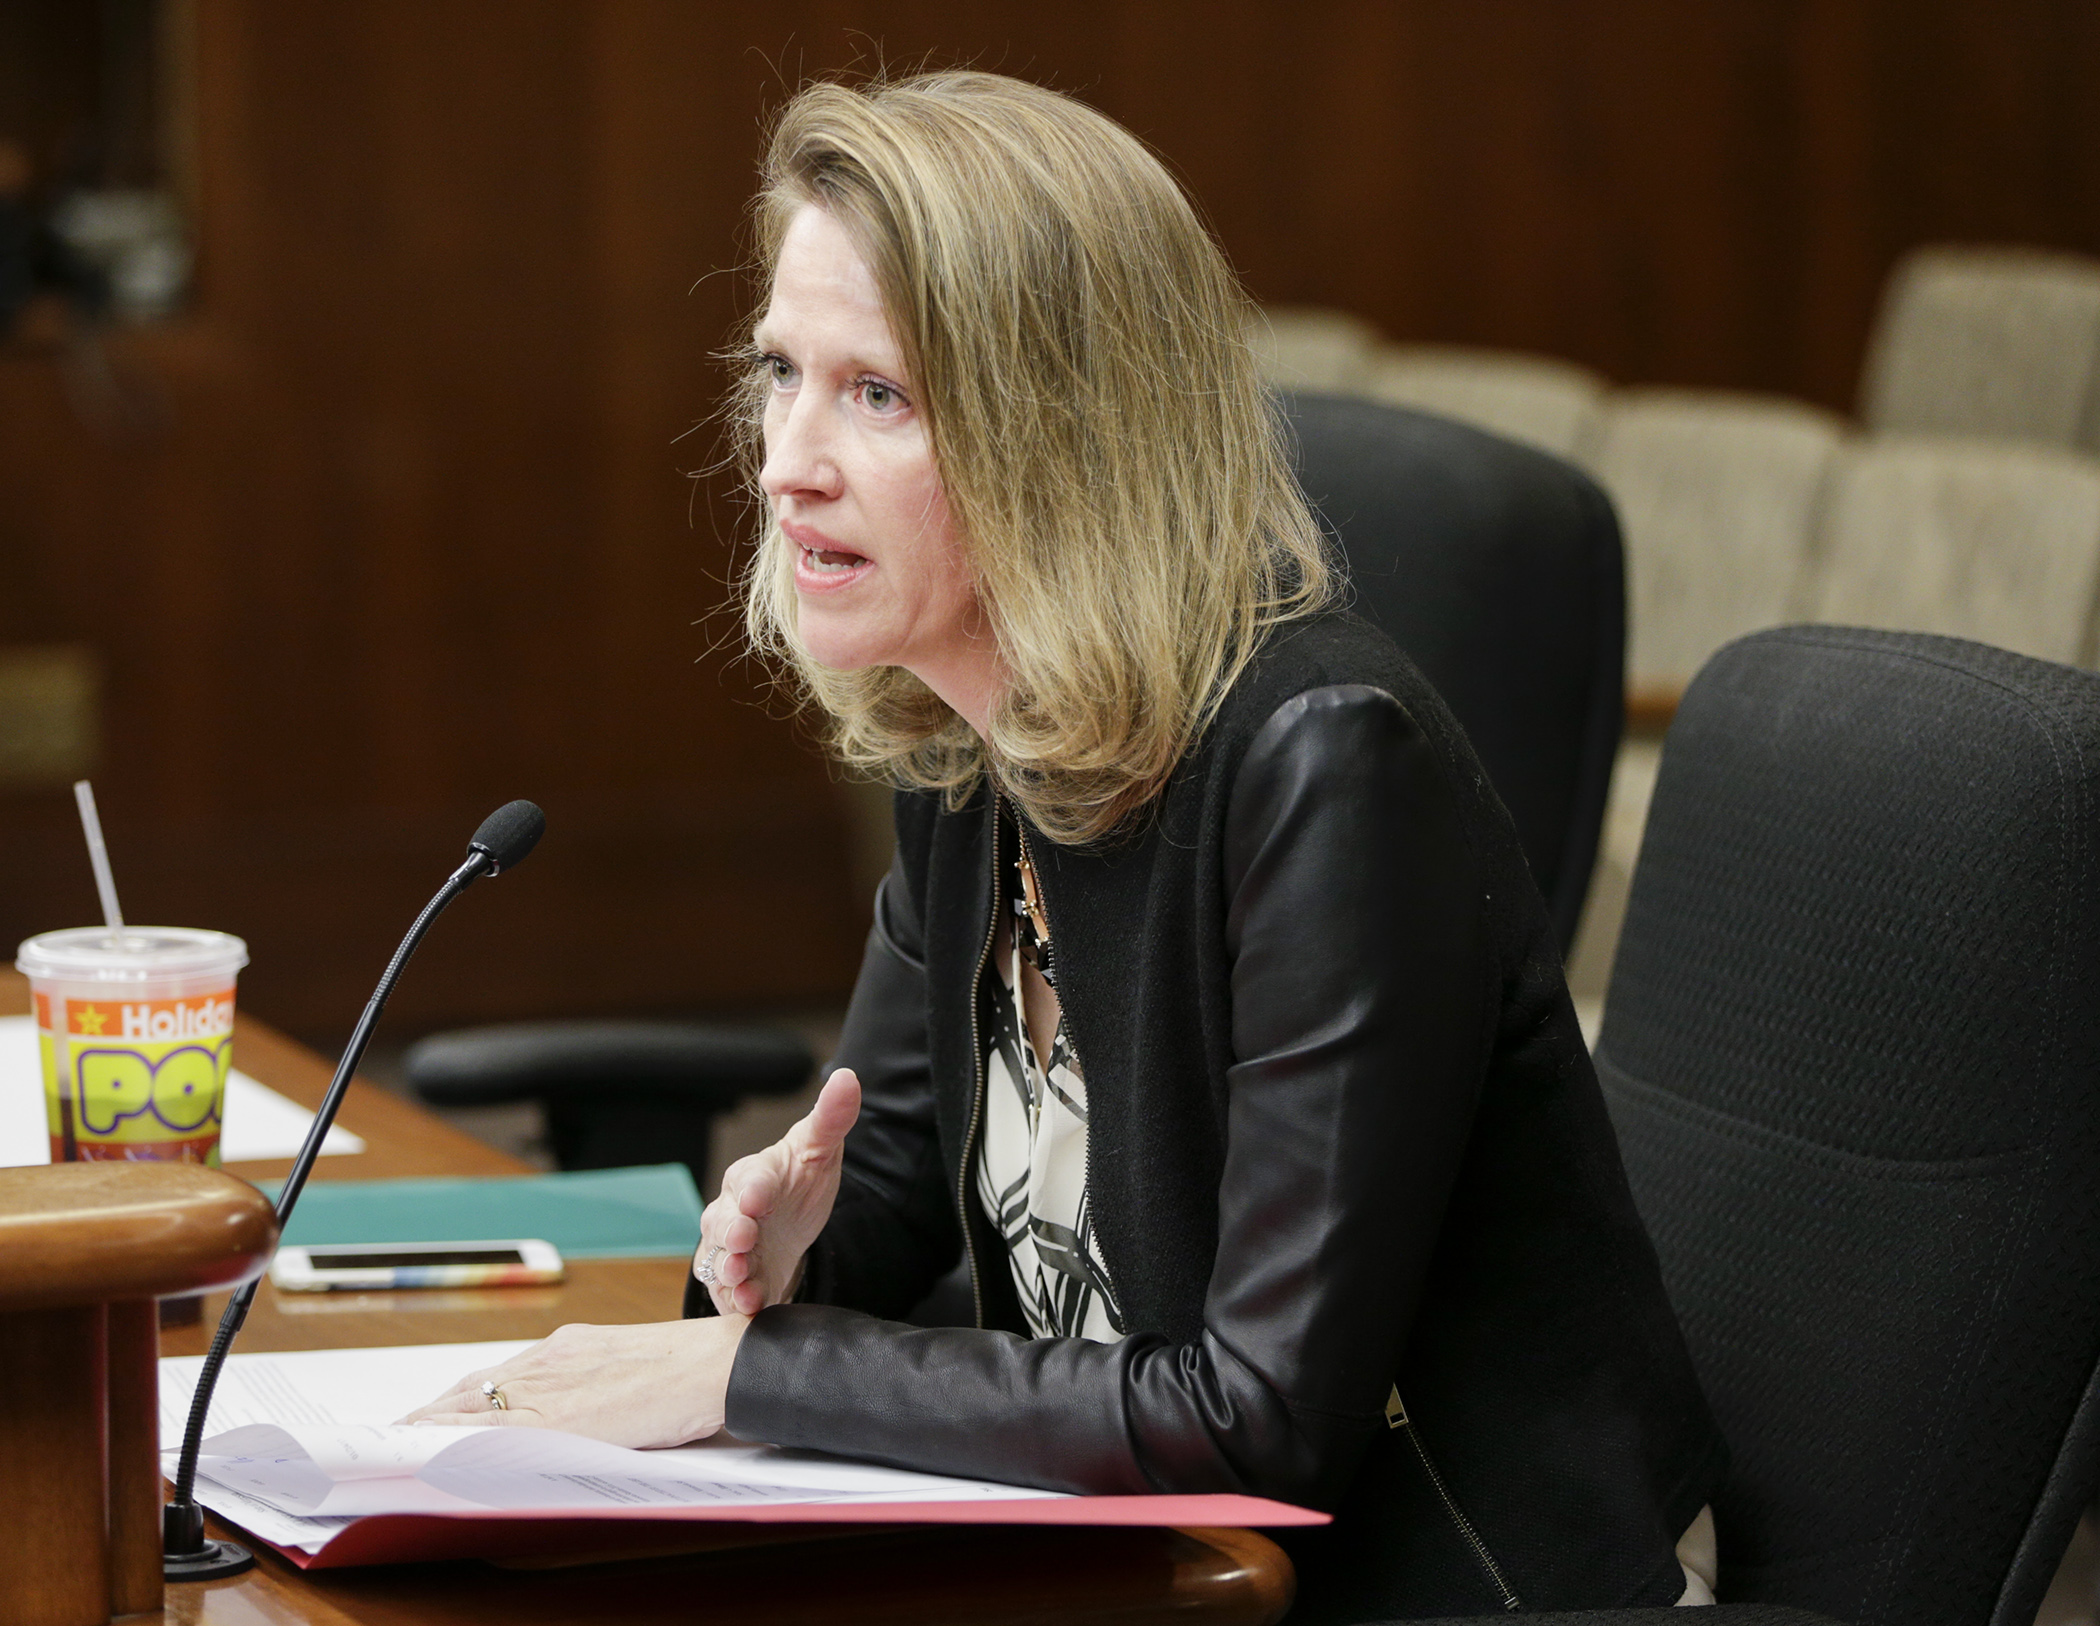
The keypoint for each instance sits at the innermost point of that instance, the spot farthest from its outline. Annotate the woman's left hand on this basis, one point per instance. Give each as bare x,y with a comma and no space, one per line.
658,1383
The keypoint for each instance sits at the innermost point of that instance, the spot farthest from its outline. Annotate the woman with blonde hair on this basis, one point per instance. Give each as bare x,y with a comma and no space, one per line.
1210,1014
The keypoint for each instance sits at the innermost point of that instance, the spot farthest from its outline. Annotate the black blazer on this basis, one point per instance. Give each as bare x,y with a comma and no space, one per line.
1351,1174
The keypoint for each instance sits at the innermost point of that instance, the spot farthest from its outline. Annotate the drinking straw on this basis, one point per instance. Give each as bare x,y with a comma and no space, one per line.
98,855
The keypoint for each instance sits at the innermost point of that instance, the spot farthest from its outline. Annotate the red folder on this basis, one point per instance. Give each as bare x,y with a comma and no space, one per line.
498,1533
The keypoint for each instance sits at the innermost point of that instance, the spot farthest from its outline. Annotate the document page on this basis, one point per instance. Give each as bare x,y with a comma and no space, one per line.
321,1385
296,1444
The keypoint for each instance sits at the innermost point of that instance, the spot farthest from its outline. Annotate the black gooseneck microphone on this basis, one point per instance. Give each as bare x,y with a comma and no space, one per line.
502,842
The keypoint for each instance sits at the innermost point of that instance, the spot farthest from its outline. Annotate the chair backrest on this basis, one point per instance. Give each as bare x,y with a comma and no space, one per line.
1311,347
1542,401
1851,1053
1718,496
1497,569
1987,341
1976,539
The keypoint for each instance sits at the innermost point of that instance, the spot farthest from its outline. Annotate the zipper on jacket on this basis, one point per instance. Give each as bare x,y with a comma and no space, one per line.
962,1177
1064,1017
1396,1417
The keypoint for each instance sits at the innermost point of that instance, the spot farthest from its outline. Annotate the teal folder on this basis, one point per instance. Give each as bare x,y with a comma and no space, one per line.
590,1214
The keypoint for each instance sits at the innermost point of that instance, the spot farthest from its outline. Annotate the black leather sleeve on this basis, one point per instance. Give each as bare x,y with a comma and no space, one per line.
1363,996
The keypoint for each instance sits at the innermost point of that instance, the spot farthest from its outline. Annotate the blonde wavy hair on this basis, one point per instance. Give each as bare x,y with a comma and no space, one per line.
1075,339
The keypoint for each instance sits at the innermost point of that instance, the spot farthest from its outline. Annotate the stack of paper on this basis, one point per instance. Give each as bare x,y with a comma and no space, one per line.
300,1450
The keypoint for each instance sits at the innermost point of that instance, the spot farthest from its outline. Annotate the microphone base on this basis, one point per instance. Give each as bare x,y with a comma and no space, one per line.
188,1554
216,1559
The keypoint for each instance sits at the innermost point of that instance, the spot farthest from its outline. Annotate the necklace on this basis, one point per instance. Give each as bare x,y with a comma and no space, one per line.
1029,907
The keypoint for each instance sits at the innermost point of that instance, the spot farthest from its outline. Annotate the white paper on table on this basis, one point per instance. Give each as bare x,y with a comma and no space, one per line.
322,1386
307,1440
260,1123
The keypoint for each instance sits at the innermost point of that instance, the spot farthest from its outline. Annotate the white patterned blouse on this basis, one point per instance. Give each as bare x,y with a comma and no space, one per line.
1031,1168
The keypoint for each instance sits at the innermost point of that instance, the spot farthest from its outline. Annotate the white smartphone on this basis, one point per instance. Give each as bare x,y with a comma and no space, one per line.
383,1266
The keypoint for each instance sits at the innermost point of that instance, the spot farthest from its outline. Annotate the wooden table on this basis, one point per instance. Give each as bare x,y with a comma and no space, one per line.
930,1575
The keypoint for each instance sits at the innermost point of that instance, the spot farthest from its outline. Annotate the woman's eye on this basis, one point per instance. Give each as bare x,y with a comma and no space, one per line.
877,396
781,368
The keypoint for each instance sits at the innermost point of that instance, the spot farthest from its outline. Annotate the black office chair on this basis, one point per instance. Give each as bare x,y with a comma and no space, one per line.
1852,1051
1498,569
615,1093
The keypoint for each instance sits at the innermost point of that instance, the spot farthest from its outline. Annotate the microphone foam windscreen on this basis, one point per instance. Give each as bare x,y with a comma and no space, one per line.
509,833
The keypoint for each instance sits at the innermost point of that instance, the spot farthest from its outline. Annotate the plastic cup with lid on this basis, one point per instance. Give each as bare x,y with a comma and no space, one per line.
135,1032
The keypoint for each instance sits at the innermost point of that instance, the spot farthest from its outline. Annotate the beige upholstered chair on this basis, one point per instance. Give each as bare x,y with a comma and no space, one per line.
1718,495
1980,539
1309,347
1988,341
1535,399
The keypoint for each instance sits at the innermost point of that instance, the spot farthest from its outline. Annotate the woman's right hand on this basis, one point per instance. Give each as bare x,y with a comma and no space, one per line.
774,1203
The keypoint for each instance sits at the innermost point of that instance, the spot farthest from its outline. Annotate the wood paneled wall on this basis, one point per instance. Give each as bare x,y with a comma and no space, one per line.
418,535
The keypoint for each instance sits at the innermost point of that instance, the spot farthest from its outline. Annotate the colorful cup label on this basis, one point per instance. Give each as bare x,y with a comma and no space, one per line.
137,1079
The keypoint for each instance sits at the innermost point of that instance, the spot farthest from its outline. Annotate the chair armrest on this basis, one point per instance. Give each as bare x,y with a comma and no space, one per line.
703,1067
1651,707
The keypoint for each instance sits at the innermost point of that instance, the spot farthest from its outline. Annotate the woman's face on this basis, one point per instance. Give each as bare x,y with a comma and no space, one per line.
880,577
